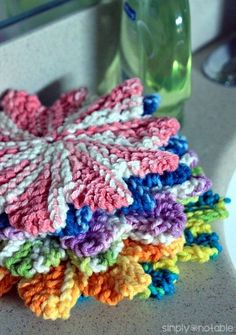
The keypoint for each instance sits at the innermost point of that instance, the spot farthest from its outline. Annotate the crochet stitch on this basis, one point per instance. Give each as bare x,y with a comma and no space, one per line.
47,164
98,200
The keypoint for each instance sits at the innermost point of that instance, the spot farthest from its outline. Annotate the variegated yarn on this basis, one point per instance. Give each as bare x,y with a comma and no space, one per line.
98,200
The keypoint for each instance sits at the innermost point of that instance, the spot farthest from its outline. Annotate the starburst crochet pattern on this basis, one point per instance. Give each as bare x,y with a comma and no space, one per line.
98,200
51,157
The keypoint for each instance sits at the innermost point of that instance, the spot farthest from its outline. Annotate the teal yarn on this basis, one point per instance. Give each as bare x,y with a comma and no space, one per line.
205,239
82,299
227,200
207,200
162,281
99,159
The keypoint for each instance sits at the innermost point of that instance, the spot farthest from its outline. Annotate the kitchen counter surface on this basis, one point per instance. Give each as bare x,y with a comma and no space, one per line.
205,294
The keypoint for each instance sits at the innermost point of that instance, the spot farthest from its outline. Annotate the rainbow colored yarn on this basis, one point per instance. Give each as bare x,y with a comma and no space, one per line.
98,200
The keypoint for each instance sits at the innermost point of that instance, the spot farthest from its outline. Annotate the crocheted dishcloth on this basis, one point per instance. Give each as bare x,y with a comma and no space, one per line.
99,200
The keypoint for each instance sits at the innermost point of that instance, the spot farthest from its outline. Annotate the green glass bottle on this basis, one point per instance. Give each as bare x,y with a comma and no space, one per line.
156,46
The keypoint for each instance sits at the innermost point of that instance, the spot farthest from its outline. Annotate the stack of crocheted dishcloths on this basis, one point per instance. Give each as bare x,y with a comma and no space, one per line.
98,200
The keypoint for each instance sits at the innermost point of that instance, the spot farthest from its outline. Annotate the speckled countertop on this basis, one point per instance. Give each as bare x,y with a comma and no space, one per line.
205,294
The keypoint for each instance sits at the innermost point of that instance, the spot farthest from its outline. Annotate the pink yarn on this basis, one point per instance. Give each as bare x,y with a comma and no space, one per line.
27,112
50,157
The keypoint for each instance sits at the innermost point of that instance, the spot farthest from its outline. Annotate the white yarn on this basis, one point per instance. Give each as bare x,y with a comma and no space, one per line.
27,176
9,249
95,262
28,154
146,238
189,159
39,252
9,128
185,190
57,204
101,117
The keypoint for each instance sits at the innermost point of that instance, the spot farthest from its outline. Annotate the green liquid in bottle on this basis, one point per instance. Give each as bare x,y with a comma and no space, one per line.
155,46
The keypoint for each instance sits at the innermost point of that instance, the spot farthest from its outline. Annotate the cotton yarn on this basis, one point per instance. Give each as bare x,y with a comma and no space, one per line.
98,200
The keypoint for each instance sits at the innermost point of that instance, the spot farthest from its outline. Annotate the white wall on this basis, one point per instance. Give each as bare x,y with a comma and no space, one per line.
206,19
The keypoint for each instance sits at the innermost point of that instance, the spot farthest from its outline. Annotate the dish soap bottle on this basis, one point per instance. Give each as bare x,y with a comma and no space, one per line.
156,46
